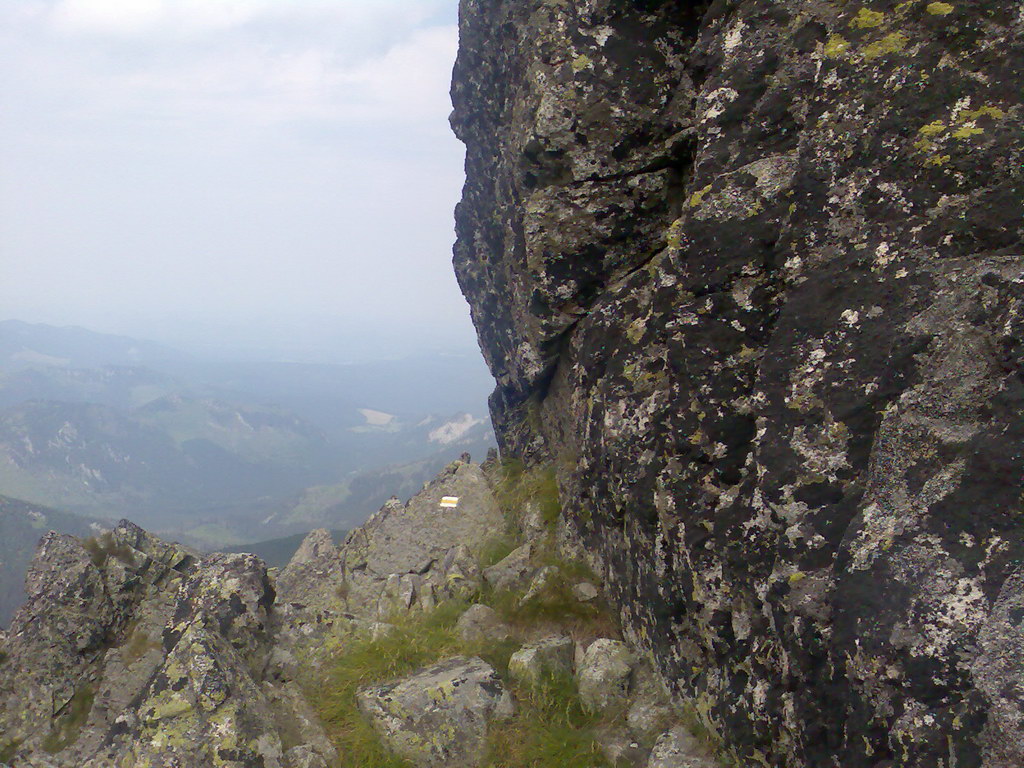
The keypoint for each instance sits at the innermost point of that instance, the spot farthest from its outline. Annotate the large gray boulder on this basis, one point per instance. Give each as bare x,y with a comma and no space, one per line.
439,717
406,538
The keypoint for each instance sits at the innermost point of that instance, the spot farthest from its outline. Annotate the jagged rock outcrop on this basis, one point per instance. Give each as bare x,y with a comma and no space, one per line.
750,275
132,652
405,557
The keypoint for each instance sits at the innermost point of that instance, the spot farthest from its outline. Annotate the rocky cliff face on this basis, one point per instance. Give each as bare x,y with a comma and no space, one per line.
751,276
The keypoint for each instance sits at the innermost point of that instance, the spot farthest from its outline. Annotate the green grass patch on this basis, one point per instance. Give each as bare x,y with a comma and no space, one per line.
69,725
495,550
8,748
516,486
418,640
549,730
101,548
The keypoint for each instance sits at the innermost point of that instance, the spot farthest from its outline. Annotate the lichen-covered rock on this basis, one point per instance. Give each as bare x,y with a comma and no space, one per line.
439,717
405,538
540,583
513,571
604,674
133,652
677,748
409,557
481,623
749,275
546,657
585,592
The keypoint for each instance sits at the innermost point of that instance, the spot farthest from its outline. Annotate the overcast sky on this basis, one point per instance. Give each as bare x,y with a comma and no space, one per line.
254,172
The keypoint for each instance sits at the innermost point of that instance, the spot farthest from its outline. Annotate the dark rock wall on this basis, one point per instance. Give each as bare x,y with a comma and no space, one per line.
751,274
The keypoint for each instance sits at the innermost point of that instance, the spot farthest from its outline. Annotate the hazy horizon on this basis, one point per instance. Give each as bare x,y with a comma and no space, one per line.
242,176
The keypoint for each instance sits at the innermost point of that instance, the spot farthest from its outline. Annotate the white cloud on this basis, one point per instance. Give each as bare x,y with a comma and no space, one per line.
256,155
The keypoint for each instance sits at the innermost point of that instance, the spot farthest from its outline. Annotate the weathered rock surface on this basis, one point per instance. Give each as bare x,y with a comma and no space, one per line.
481,623
405,538
133,652
678,749
604,674
513,571
439,716
327,592
751,276
548,656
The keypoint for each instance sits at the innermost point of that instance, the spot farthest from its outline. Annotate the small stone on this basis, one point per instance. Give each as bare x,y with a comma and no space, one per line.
550,656
604,675
585,591
480,623
678,748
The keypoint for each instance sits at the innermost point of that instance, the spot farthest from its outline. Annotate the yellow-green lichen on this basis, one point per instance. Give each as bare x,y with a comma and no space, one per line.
932,129
965,115
891,43
674,236
697,197
966,131
581,62
836,45
939,9
866,18
636,329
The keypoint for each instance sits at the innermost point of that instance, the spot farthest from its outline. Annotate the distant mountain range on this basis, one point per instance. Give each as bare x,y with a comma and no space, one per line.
218,453
26,345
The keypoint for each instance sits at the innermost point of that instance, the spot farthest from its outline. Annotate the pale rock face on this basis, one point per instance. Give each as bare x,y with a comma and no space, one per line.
548,656
439,717
604,674
533,526
513,571
481,623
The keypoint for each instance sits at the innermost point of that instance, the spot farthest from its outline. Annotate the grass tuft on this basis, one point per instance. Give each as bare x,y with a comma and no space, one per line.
69,725
549,730
104,547
516,487
419,640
